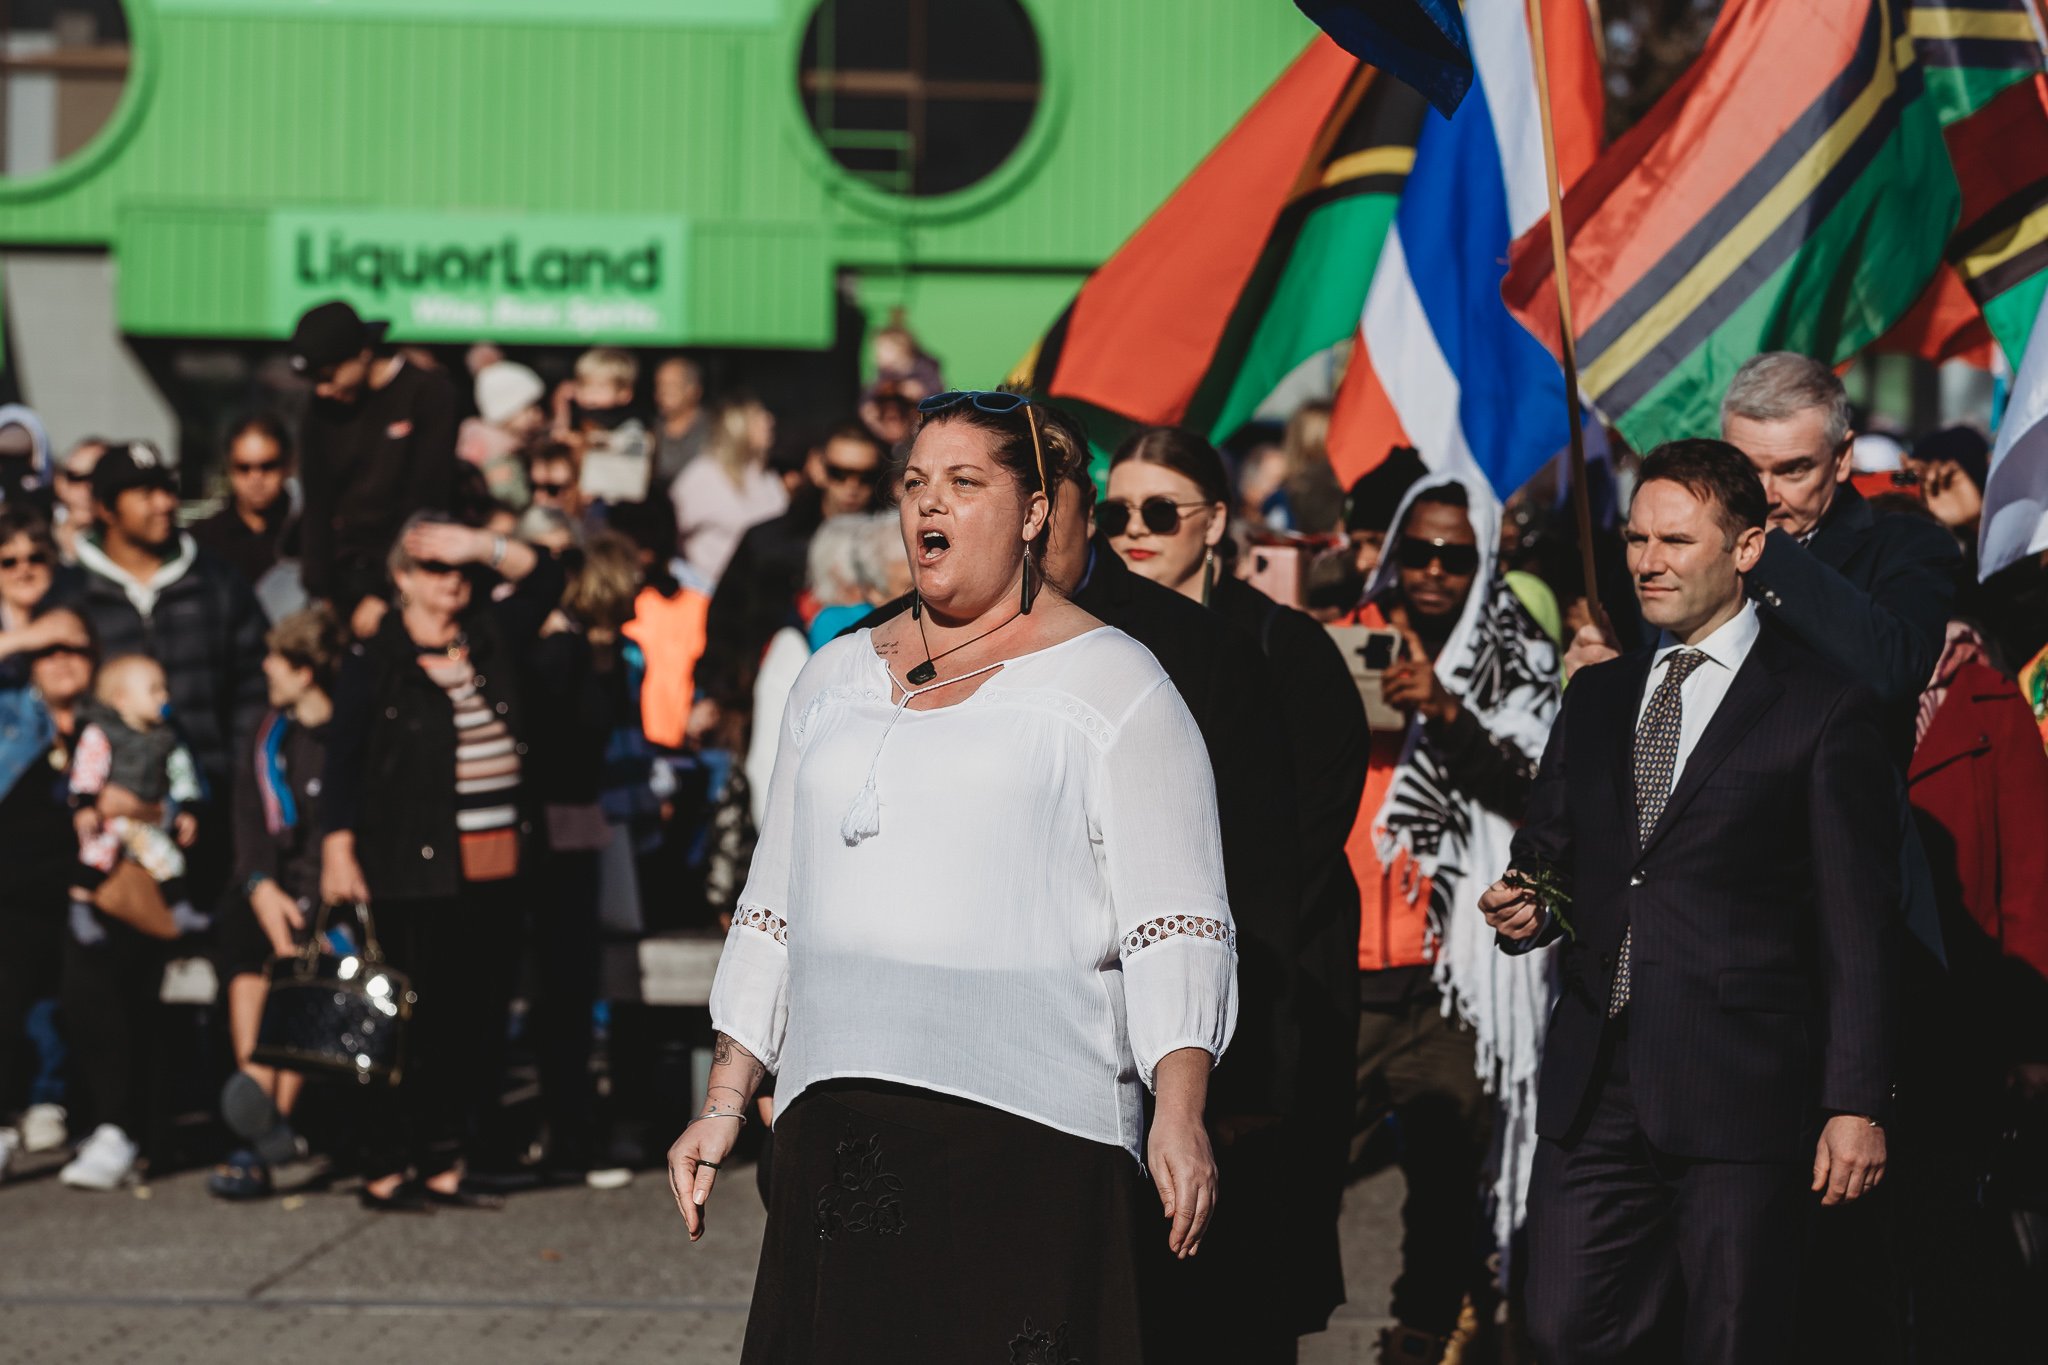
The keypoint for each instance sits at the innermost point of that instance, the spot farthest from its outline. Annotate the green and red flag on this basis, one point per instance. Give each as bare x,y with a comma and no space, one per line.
1257,264
1797,189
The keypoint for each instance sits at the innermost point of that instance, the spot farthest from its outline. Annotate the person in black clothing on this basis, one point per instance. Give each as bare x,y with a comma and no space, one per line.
277,834
38,723
427,808
248,532
757,594
149,589
580,698
1166,514
378,445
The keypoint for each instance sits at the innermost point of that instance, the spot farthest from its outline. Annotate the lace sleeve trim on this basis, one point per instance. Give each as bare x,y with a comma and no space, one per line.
754,917
1172,926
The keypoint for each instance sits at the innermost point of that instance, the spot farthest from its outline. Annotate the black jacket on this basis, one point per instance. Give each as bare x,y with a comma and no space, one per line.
205,628
1765,943
391,745
756,597
1870,594
367,466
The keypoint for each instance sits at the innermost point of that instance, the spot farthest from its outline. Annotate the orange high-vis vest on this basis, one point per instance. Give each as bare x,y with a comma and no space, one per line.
1393,925
671,634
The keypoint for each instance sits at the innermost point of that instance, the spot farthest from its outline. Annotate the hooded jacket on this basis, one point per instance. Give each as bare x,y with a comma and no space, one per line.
197,618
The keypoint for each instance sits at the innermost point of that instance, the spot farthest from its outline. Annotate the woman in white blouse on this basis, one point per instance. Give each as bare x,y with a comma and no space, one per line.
986,911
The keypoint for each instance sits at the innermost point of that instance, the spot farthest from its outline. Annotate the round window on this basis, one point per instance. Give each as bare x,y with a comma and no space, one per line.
920,97
63,64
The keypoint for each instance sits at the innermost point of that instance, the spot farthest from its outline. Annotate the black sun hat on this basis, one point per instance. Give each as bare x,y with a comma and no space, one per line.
328,334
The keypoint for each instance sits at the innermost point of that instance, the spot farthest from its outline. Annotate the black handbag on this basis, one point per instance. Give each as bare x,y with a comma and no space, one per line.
344,1015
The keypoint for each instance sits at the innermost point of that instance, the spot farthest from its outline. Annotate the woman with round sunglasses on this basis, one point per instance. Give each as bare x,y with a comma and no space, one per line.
985,915
1166,514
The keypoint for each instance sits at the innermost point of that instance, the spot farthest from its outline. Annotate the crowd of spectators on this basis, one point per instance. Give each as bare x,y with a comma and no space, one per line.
505,668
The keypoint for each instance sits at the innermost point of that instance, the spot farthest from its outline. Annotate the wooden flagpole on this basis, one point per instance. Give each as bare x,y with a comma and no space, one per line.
1581,507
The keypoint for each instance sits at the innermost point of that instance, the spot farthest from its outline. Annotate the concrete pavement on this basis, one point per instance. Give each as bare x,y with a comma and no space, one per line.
165,1275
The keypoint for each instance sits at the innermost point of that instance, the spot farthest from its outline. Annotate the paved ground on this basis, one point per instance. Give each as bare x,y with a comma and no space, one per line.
164,1275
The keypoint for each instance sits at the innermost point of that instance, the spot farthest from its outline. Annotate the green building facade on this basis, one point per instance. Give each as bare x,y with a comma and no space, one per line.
739,175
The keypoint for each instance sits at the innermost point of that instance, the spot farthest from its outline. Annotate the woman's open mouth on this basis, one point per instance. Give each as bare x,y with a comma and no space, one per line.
931,545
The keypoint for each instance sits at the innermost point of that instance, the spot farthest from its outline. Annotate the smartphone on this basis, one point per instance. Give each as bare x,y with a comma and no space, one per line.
1370,651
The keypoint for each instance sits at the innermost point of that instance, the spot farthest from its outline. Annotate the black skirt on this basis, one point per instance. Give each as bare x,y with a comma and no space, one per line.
909,1227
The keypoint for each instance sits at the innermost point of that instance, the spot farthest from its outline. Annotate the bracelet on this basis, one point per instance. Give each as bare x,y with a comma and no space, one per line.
497,551
723,1114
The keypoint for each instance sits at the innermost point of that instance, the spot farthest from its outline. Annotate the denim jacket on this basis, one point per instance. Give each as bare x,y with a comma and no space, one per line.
26,733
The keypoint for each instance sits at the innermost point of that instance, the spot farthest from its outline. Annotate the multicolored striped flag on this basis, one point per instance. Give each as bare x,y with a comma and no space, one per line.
1794,191
1442,365
1256,266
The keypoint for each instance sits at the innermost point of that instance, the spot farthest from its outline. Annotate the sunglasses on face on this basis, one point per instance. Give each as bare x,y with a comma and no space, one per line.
839,473
1458,560
35,559
1161,515
66,476
549,490
258,467
63,652
435,566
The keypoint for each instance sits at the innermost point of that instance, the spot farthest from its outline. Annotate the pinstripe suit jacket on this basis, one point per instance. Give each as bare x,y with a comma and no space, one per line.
1764,907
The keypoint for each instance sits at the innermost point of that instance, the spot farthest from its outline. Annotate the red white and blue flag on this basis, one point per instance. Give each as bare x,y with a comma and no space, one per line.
1441,364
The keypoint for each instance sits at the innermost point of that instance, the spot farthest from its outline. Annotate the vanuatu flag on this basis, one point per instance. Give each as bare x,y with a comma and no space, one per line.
1794,191
1257,265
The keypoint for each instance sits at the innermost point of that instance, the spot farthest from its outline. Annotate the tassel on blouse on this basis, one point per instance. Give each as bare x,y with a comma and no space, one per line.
864,817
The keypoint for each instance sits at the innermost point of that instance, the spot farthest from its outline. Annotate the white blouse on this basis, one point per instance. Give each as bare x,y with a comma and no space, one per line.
1038,919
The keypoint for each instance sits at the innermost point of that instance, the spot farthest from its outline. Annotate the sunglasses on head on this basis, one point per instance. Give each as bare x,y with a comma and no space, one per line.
1161,515
839,473
1418,554
35,559
257,467
994,401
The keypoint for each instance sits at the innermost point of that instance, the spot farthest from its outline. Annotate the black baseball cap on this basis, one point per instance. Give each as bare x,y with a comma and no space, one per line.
328,334
136,464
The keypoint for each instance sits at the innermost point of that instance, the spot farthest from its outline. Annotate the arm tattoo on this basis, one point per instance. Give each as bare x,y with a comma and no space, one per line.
725,1052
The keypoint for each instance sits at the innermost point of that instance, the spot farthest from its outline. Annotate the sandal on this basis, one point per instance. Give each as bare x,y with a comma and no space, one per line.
242,1176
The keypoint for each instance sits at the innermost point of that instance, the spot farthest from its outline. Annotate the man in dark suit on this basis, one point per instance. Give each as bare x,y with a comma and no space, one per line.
1718,816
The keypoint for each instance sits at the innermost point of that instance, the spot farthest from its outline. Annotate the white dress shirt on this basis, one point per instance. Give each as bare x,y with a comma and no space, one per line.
1701,693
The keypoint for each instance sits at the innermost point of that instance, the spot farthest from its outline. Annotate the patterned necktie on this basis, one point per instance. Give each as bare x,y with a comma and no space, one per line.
1656,764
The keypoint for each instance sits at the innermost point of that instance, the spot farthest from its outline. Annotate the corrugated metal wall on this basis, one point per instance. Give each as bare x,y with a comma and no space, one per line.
250,112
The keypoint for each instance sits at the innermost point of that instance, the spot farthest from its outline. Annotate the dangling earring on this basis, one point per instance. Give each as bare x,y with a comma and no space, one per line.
1030,592
1208,573
916,604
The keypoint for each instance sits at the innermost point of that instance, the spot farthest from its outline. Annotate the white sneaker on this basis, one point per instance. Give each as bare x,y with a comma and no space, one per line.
105,1161
10,1143
42,1128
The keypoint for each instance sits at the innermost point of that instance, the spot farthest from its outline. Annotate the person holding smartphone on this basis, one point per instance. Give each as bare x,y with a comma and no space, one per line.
1475,677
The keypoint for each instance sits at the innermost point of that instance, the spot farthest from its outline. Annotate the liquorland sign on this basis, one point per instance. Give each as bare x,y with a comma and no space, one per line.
462,277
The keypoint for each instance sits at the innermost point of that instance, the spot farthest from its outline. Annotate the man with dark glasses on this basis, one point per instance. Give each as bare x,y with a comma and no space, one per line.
758,593
1478,677
246,532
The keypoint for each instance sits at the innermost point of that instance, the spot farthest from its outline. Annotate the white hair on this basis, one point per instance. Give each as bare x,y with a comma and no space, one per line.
1779,384
833,565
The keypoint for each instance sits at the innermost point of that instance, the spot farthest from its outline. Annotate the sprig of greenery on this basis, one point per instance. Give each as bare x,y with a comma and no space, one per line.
1546,883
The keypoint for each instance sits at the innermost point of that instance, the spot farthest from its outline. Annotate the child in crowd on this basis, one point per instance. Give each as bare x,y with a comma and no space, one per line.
612,437
508,405
129,742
